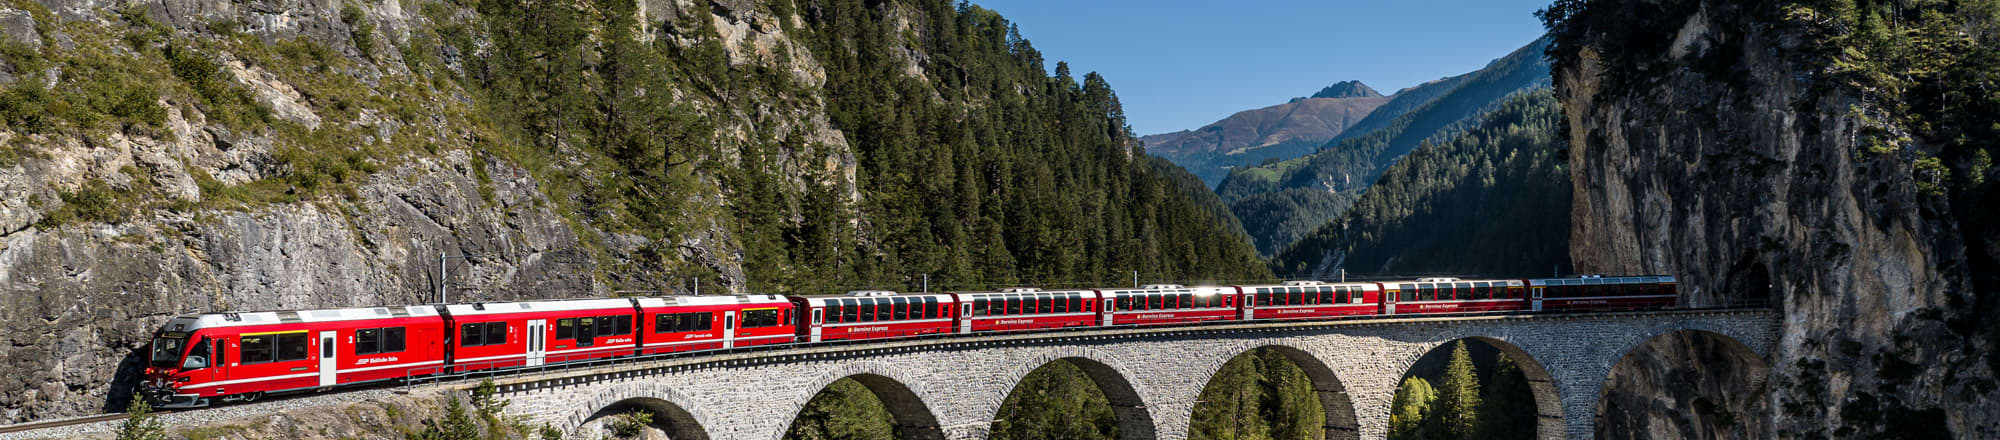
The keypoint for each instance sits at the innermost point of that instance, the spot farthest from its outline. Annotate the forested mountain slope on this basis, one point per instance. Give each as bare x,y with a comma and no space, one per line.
1833,158
1282,131
1281,201
170,157
1491,200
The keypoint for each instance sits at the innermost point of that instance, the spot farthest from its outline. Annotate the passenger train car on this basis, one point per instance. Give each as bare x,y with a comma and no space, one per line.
873,314
197,360
1026,308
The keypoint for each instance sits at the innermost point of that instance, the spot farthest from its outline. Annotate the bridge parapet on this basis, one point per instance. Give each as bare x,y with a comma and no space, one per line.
953,388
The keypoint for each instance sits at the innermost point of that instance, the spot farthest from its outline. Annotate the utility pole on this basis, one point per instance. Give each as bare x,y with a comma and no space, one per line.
1135,279
927,283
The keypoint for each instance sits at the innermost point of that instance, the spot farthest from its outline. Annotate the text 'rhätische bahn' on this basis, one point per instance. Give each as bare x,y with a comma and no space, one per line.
196,360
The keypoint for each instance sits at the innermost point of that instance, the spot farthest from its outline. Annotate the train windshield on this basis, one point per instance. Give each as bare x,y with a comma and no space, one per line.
167,349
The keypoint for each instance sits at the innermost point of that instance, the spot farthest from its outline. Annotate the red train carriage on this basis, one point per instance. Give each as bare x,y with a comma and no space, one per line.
1309,300
872,314
684,323
1600,293
501,335
1025,308
1168,304
199,359
1452,295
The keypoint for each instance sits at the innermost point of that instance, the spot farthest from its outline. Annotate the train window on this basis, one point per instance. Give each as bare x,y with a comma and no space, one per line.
1409,292
367,341
1464,291
257,349
1077,303
662,323
899,308
1013,305
979,308
392,340
760,318
292,347
624,325
1340,295
471,335
1481,290
606,326
1426,292
566,328
931,309
875,309
1044,303
1062,302
496,333
1123,302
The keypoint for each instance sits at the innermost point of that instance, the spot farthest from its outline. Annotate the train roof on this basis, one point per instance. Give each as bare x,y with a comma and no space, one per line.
1599,280
198,321
1368,285
710,300
1165,288
1021,290
941,296
1509,281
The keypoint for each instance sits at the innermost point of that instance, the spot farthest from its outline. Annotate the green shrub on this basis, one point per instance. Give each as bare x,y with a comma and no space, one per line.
363,35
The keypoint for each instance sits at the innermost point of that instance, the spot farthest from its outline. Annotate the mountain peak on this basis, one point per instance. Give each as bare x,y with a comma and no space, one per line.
1347,89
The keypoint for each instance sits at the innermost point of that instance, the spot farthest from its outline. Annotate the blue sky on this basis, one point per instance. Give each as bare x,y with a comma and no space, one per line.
1181,64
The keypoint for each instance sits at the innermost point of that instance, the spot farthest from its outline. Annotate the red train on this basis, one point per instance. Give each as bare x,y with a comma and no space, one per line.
201,359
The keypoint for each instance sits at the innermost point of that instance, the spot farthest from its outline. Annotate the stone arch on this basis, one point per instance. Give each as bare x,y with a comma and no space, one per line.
670,410
1341,422
1549,411
1707,369
1135,420
905,398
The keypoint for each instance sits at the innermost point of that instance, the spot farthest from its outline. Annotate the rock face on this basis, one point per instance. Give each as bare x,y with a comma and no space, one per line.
1686,385
1281,131
1725,157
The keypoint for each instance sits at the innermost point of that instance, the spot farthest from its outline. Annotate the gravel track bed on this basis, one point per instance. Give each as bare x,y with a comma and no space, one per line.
211,416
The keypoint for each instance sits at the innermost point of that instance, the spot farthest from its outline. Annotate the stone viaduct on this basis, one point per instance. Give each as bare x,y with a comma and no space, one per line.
952,388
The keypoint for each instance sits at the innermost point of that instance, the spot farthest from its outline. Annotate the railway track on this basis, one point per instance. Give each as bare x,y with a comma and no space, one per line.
67,422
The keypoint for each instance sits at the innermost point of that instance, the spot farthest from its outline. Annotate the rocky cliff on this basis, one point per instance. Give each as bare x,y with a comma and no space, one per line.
166,157
1825,157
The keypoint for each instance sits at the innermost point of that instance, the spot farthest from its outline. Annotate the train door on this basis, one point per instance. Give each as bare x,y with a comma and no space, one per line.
1535,298
1107,310
965,317
1389,299
818,319
1249,304
729,329
329,369
538,335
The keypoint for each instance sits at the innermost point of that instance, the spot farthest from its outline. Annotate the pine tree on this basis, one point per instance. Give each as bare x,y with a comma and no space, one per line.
1508,411
139,423
1457,414
1412,405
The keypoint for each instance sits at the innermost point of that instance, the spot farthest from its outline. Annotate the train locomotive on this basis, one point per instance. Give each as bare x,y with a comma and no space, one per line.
202,359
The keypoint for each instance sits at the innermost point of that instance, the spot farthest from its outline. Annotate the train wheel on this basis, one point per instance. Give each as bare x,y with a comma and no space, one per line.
252,397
